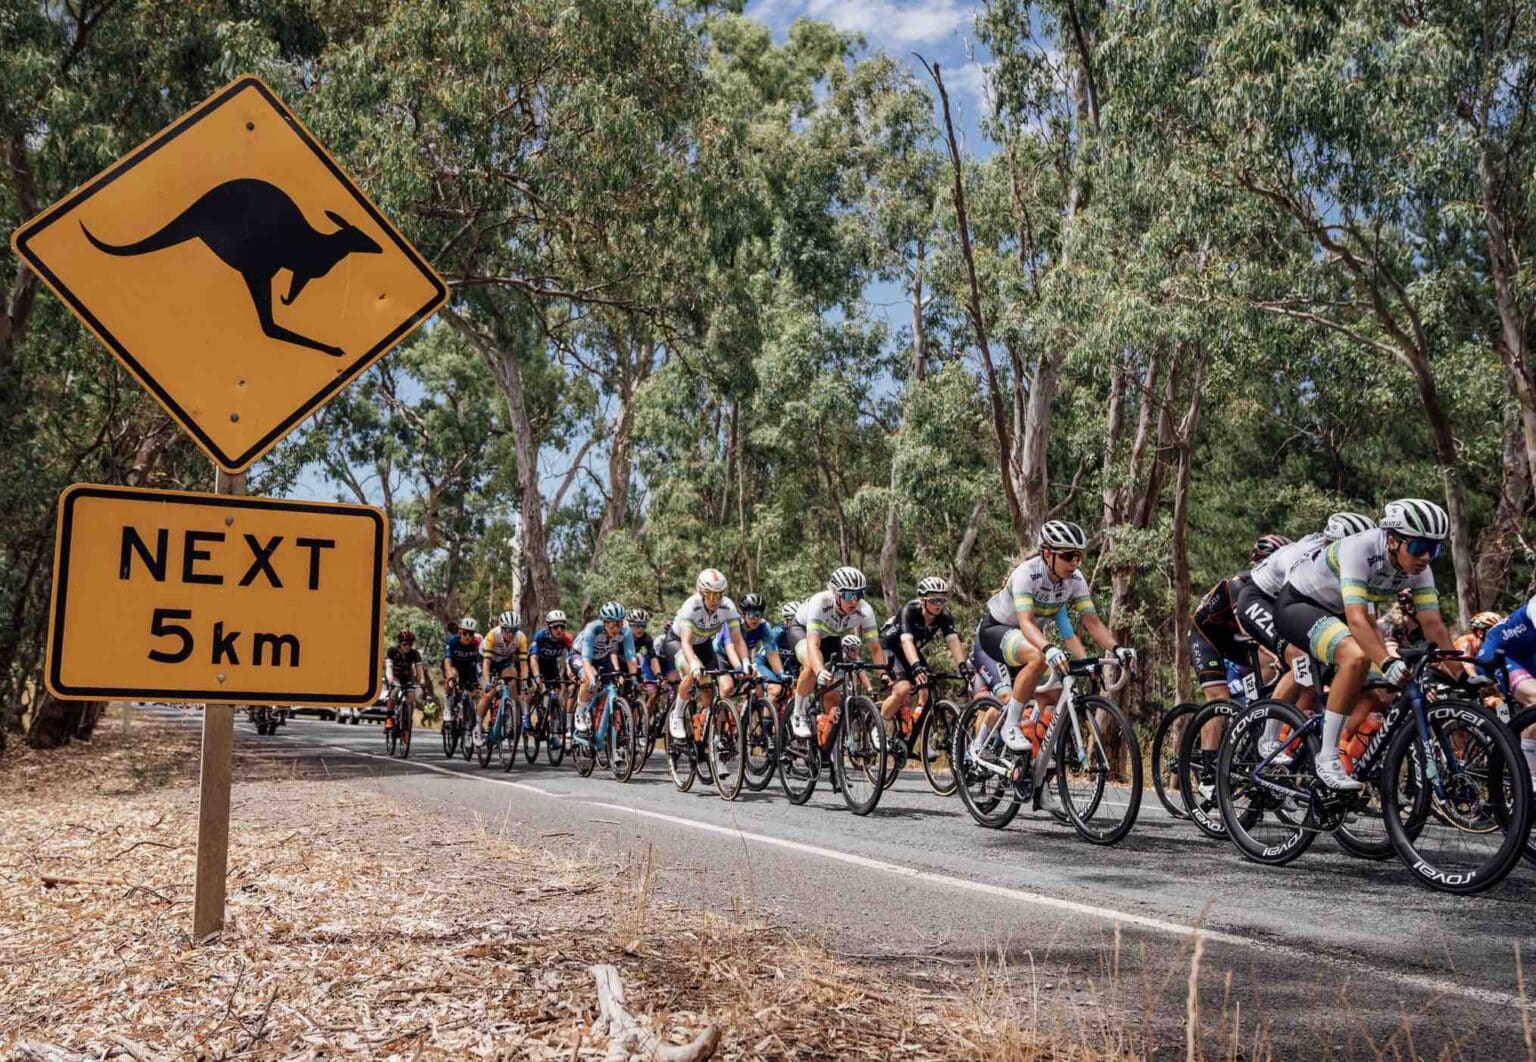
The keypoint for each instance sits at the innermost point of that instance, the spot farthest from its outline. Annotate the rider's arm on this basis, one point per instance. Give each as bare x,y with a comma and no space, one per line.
736,648
871,633
684,631
630,659
1091,623
485,659
1433,625
1363,628
956,649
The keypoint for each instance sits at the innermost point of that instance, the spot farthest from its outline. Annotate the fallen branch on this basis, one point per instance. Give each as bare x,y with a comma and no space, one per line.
135,1050
41,1052
629,1038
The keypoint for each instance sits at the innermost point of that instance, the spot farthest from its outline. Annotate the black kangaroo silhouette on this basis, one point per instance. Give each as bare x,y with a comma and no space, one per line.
258,231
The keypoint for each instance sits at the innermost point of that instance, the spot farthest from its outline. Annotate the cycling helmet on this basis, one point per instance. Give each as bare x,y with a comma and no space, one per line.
851,643
752,603
612,612
1342,525
1484,620
410,635
468,624
846,578
510,621
1062,534
788,609
932,585
1415,518
711,580
554,616
639,617
1266,546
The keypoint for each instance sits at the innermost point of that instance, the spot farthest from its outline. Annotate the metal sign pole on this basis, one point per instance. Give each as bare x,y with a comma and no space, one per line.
213,792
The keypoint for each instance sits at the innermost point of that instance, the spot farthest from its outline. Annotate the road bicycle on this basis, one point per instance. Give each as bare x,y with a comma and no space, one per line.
690,758
849,738
400,719
929,733
546,724
506,723
1452,787
459,721
613,730
1085,744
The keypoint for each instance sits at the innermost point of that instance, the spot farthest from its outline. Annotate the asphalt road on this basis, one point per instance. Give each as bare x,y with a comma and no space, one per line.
1329,957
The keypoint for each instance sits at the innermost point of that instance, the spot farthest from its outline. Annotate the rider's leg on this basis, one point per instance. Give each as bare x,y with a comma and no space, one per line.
677,726
1031,663
805,686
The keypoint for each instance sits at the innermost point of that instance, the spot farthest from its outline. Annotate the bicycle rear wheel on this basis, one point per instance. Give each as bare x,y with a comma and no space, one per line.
621,740
1456,852
556,737
1257,819
533,733
989,797
934,739
759,742
724,737
799,761
1165,758
1518,724
1099,780
860,756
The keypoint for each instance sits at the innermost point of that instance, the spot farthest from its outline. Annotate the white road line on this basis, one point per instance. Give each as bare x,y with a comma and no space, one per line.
1306,957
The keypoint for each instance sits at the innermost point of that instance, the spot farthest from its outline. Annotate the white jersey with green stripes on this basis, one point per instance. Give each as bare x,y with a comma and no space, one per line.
1032,588
1357,571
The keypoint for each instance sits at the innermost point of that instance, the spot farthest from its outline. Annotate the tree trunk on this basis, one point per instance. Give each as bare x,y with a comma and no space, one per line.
542,591
962,558
1497,542
1182,591
55,723
1503,265
1034,442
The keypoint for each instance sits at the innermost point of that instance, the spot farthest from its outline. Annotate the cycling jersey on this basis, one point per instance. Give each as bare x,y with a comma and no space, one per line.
1269,574
400,665
1032,588
912,620
464,655
599,647
645,652
752,638
547,649
1357,571
820,616
699,624
1515,635
503,649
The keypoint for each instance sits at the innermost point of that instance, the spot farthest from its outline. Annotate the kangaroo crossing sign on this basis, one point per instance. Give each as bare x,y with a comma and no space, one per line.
161,595
233,267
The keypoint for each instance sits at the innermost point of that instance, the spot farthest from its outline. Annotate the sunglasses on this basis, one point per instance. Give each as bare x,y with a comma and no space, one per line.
1070,554
936,599
753,615
1424,547
850,595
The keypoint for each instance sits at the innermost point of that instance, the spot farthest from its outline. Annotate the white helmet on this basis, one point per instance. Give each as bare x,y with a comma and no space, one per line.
1415,518
851,643
1342,525
468,624
932,585
846,578
710,580
787,611
554,616
509,621
1062,534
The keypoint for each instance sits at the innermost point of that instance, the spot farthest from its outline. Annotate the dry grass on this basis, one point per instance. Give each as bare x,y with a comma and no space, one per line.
358,926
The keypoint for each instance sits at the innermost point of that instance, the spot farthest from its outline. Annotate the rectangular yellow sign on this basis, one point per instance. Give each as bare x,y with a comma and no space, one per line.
165,595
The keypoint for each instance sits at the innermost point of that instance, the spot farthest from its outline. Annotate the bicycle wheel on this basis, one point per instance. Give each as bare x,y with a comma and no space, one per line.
1267,826
467,731
799,761
1446,855
860,756
623,730
759,744
533,733
982,781
506,748
449,735
1196,784
725,738
934,739
1165,759
701,752
406,728
682,755
1099,778
389,731
556,737
1518,724
897,752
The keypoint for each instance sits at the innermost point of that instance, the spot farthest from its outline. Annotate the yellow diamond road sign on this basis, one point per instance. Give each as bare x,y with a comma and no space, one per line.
165,595
235,269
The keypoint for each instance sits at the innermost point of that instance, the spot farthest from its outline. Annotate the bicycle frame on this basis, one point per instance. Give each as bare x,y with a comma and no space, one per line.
1065,710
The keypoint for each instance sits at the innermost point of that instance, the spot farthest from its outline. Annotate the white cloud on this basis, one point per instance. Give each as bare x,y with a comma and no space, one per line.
968,86
894,23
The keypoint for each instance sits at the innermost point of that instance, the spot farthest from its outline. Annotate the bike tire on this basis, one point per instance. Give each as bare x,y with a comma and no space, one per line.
583,756
467,733
621,740
989,798
799,761
1165,759
1510,805
682,762
934,741
556,738
726,740
1518,723
406,731
1118,815
1238,797
533,734
701,764
1198,809
450,741
860,757
389,739
759,739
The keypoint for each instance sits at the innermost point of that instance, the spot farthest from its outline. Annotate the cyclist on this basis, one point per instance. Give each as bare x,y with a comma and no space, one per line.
645,651
781,633
607,651
404,670
704,615
758,635
837,611
1515,637
461,659
504,650
1327,604
548,649
667,647
852,650
1042,585
903,638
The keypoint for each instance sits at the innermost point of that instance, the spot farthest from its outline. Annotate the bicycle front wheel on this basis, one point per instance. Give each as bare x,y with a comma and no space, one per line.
860,758
935,737
1197,773
450,737
799,761
533,733
1098,775
1269,825
981,778
727,749
1486,817
622,731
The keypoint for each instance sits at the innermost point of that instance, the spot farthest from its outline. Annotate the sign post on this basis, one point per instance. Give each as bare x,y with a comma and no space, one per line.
217,767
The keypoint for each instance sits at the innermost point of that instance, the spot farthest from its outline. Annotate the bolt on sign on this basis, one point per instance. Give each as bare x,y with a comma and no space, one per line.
163,595
235,269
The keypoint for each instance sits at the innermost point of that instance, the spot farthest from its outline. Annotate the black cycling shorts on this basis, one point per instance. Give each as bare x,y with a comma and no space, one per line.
1255,612
1210,667
999,642
1303,622
705,651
